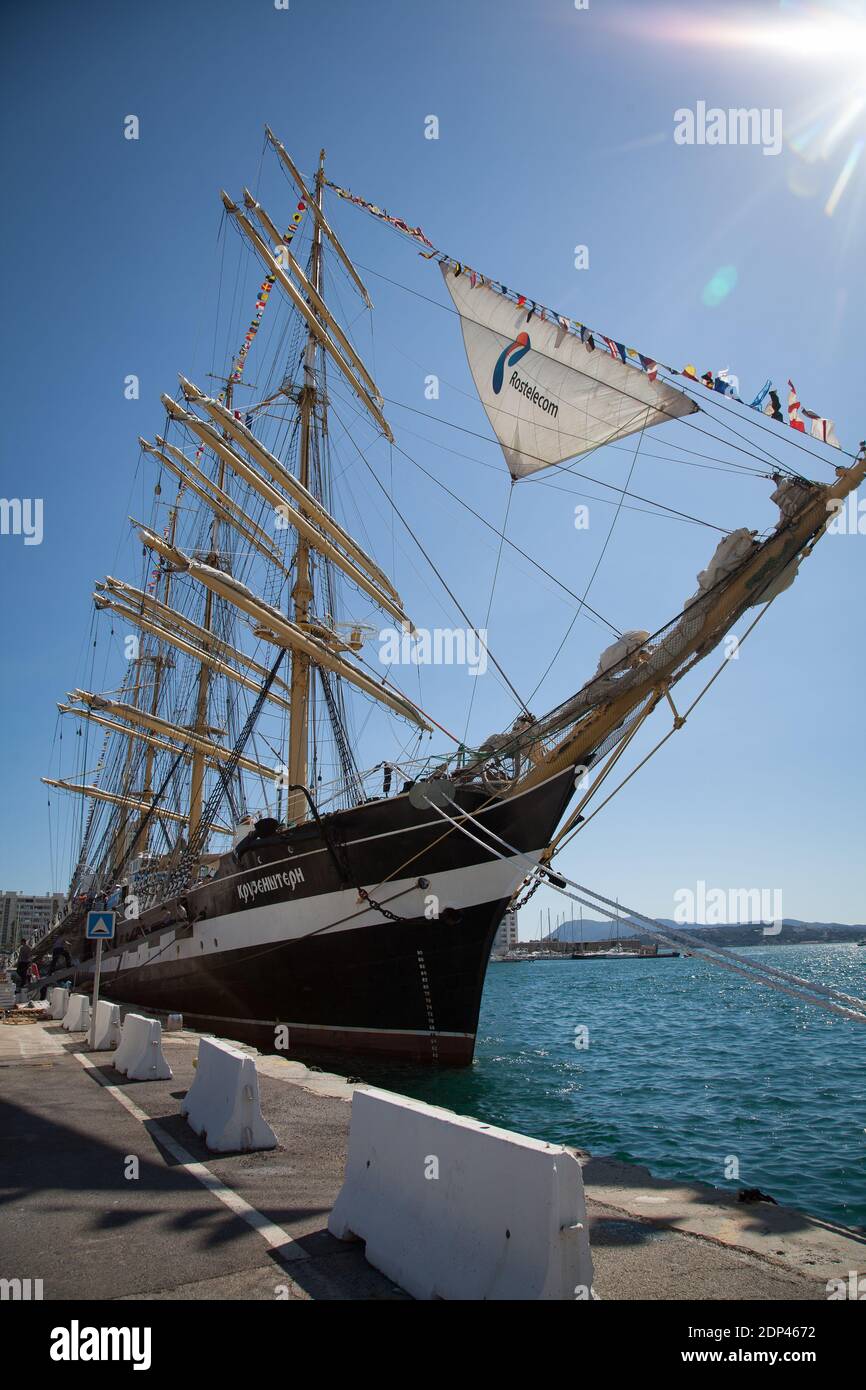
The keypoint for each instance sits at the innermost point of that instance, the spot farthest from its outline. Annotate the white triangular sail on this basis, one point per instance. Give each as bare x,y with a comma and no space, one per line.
547,397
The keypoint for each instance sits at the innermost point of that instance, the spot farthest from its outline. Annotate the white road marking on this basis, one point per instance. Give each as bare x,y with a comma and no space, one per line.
283,1245
23,1041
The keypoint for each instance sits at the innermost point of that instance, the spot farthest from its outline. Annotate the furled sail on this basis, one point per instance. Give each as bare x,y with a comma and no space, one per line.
137,616
214,440
188,473
370,398
311,506
155,740
131,803
166,729
161,613
547,397
287,259
275,628
312,203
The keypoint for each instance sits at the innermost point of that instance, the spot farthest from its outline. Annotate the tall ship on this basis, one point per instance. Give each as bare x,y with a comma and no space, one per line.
271,878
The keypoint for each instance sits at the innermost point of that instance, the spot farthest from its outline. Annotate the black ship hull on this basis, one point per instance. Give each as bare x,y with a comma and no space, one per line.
367,932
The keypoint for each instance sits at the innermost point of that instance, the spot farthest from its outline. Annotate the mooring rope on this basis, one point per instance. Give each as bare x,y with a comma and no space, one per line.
717,955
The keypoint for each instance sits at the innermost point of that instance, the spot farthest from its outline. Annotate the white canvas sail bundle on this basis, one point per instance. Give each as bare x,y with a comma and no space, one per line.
547,397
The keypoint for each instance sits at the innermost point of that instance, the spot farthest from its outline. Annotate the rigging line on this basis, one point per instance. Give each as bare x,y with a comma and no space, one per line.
430,562
683,938
348,324
658,514
700,695
118,869
713,463
94,628
754,971
698,656
490,602
562,468
435,598
729,465
393,527
767,428
405,554
449,310
771,458
513,544
607,538
675,385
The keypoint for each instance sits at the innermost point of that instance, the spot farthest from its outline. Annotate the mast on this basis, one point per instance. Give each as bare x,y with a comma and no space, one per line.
302,593
160,660
296,494
121,838
200,727
579,729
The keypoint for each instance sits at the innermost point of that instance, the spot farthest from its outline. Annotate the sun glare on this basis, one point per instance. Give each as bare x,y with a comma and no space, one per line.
808,33
826,128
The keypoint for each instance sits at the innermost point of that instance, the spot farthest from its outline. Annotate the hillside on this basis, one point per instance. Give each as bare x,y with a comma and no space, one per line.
793,932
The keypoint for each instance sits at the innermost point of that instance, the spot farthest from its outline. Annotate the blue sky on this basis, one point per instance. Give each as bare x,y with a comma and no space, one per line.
555,130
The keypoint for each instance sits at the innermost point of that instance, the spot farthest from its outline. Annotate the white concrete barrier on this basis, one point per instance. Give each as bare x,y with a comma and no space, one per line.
139,1053
107,1032
452,1208
222,1104
59,1002
77,1016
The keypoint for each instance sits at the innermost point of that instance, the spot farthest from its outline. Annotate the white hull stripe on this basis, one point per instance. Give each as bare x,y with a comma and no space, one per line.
273,924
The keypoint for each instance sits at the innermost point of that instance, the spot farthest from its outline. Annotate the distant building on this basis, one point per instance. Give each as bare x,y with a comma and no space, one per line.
25,916
506,937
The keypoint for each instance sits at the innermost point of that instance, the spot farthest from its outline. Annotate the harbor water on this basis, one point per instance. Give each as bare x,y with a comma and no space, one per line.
687,1069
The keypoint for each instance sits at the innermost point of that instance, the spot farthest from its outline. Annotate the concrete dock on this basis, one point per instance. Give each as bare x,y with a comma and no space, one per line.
106,1193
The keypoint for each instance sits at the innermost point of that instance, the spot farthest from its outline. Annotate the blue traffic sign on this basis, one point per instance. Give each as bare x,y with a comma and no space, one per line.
100,926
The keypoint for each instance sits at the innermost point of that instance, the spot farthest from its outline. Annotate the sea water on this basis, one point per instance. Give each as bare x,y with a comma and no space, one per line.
677,1065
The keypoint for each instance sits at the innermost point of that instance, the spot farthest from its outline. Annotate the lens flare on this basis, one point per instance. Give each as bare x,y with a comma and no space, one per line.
808,33
720,286
829,38
844,178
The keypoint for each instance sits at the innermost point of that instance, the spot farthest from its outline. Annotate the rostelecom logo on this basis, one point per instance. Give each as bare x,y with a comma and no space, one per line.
522,345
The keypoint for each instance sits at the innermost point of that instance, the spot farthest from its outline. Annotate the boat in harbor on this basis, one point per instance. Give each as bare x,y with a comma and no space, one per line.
263,877
620,953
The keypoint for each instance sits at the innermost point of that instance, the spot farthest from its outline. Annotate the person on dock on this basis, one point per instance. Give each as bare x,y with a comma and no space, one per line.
23,963
60,957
